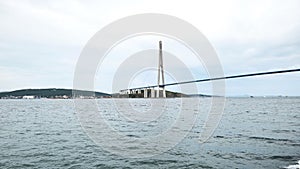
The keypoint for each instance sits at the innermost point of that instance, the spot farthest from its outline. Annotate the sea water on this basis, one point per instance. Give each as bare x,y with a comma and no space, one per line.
253,133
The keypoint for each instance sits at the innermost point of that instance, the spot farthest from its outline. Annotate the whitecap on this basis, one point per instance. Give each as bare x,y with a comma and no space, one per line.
297,166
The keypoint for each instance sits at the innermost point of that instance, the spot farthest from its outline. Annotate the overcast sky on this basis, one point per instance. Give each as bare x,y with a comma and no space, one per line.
40,41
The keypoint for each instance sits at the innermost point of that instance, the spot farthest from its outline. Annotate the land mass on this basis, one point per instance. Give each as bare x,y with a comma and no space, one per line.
52,93
57,93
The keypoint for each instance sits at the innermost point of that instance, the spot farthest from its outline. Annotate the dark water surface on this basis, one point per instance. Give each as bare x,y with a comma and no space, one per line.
253,133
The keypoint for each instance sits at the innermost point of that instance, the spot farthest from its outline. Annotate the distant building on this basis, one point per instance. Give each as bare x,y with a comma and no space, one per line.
65,97
28,97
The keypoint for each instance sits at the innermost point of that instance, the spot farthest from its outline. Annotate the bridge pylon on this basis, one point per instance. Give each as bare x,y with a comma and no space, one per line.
160,76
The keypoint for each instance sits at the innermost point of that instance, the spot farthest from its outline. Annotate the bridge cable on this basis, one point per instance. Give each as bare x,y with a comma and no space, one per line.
223,78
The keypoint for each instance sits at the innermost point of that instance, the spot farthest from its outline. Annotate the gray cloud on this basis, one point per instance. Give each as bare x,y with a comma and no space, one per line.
40,41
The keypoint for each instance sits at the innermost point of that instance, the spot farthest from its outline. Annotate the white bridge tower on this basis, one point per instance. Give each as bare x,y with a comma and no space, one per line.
161,92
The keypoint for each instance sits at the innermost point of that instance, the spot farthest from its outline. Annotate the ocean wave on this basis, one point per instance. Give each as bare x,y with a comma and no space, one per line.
297,166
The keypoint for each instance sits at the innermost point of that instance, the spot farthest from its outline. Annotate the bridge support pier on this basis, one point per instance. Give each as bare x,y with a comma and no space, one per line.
145,93
152,93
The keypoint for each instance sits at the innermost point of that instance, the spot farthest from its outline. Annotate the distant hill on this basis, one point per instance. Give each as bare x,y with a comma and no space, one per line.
200,95
50,93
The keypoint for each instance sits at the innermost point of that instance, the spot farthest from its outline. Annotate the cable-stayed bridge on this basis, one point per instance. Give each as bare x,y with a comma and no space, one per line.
158,90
